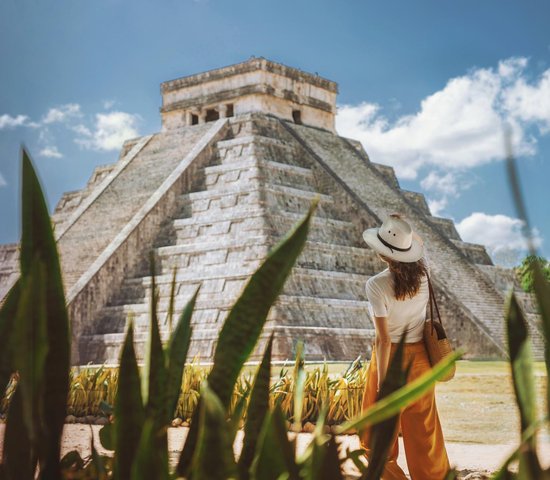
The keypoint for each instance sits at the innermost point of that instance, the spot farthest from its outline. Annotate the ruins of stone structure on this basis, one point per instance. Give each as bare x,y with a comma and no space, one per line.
242,152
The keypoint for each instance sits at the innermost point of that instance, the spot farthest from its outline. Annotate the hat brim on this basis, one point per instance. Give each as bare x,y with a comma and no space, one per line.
415,253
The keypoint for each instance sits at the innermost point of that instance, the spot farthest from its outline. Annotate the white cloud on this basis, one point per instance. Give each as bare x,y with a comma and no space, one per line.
62,113
437,205
108,104
3,182
457,127
82,130
502,235
440,188
7,121
531,103
50,152
110,131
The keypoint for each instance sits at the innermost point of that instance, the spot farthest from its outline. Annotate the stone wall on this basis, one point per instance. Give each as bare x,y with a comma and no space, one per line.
126,251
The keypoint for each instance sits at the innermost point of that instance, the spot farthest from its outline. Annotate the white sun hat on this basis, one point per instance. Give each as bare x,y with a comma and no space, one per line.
395,239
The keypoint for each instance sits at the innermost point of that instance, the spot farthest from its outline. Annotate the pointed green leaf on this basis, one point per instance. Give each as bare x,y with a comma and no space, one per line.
274,453
129,410
177,354
151,458
213,457
172,300
313,461
256,412
245,321
7,320
541,286
299,382
38,242
542,293
155,374
18,458
394,402
521,361
31,339
383,434
238,414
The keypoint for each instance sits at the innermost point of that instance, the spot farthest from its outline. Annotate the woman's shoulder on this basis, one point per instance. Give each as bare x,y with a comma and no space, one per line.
380,280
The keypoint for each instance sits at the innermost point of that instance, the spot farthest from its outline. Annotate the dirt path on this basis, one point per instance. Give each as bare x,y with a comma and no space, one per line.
466,457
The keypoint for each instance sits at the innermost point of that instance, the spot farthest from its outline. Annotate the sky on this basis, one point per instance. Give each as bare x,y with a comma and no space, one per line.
428,87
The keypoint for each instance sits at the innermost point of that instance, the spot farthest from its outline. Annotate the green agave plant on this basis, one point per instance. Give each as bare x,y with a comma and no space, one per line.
34,318
521,359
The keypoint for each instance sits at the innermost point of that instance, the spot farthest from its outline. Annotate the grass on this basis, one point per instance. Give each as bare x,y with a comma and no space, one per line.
479,406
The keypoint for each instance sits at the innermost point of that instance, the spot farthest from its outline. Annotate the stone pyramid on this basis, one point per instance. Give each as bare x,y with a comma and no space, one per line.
242,152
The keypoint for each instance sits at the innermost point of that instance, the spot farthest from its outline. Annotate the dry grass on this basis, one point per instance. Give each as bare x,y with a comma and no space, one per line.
478,405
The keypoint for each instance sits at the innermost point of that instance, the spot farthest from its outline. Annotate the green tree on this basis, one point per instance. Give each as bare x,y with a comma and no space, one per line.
525,271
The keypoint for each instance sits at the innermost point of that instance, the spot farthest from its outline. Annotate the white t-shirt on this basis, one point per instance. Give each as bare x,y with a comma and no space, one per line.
408,314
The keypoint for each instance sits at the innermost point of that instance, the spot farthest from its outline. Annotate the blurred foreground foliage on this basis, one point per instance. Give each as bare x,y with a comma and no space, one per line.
35,346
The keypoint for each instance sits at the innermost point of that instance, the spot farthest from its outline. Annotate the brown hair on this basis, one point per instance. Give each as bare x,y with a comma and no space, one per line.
407,277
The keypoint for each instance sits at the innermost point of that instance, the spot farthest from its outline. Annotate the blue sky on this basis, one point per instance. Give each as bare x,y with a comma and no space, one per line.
425,85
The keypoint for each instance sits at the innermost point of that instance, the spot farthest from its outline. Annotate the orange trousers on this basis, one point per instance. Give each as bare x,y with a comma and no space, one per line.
419,422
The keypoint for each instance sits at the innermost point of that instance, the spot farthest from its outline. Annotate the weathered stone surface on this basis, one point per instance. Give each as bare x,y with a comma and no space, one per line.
211,199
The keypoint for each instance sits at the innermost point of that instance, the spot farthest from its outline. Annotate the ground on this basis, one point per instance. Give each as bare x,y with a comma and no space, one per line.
477,410
466,457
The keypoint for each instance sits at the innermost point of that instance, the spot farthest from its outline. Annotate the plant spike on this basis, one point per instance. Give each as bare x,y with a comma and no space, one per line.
299,381
256,412
8,311
170,314
31,338
244,324
541,286
213,458
521,361
19,461
129,410
38,242
176,354
274,452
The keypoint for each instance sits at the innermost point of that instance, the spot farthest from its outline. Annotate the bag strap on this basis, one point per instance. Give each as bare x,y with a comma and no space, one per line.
433,303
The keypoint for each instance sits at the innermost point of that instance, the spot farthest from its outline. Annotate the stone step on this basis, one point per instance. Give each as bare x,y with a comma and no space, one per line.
212,201
230,278
325,230
212,309
316,255
129,190
318,341
471,289
266,171
235,221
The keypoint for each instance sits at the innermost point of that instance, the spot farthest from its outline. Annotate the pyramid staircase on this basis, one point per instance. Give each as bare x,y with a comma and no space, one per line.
211,200
249,193
467,293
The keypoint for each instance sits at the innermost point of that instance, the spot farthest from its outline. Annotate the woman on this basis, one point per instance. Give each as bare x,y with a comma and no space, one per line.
398,297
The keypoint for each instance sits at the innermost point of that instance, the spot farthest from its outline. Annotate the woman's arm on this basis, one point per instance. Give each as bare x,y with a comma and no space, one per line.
383,346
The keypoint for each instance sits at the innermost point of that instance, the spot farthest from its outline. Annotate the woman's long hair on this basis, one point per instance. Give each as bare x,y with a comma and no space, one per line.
407,277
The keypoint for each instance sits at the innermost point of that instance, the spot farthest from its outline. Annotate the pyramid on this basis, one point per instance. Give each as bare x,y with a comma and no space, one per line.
242,153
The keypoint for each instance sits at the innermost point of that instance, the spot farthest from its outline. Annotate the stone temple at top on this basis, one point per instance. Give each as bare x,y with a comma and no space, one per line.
242,152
